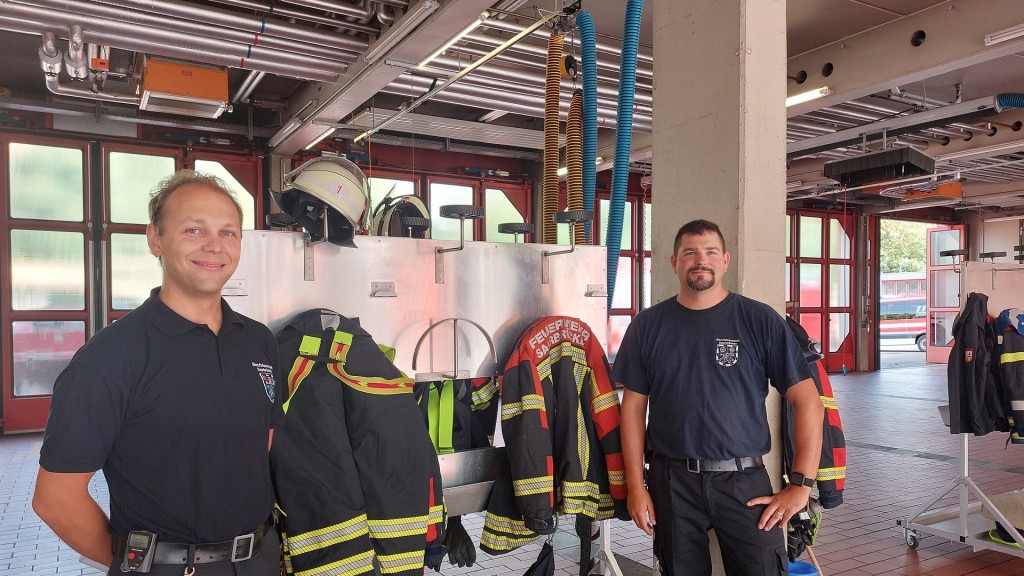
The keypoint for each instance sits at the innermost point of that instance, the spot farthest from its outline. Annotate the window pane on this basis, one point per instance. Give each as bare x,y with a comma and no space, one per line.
810,237
443,195
244,197
41,351
839,285
839,240
379,188
616,330
133,270
499,210
47,270
945,292
941,241
561,232
789,282
838,330
810,285
812,323
789,234
942,328
623,297
47,183
645,301
627,225
647,225
133,177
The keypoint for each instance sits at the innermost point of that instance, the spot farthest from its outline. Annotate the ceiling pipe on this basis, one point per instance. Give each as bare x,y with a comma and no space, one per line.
148,46
80,90
385,14
279,10
610,80
468,94
611,49
237,54
83,10
357,11
252,24
500,84
531,79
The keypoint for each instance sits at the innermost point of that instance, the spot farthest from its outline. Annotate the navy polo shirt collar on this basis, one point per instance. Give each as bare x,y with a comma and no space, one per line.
171,323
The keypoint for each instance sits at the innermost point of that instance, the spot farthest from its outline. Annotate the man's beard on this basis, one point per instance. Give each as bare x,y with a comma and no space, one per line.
701,284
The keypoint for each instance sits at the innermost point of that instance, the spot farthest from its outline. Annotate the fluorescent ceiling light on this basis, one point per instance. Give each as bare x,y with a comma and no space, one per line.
320,138
807,96
462,34
981,152
1004,35
456,129
564,170
413,18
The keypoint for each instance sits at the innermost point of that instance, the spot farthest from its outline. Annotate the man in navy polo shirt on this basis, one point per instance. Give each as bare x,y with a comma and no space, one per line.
176,402
704,360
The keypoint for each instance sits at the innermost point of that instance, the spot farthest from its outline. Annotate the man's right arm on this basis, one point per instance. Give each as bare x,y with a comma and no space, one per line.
633,423
63,502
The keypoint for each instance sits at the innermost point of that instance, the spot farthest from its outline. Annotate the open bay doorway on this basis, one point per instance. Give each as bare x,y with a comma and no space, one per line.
902,293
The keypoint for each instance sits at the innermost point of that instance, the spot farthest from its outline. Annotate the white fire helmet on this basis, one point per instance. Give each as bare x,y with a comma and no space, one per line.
337,183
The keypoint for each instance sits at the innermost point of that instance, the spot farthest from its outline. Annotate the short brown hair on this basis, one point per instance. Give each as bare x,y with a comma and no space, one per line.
184,177
697,228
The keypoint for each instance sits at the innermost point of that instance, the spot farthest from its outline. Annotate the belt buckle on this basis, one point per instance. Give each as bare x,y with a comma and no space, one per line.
244,544
695,462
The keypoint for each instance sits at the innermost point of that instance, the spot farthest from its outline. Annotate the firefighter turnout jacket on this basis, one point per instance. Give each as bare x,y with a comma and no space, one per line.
357,479
560,423
1010,337
975,403
831,478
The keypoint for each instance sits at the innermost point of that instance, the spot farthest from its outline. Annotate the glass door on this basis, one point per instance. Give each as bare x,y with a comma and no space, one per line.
943,289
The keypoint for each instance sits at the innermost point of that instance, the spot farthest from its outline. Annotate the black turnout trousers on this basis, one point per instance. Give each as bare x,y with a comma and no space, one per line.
687,505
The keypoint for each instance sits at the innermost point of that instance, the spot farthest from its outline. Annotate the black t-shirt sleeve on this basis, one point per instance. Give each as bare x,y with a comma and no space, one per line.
86,414
280,376
786,363
628,368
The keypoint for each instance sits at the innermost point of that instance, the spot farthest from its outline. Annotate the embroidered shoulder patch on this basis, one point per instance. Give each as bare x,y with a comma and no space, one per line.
266,373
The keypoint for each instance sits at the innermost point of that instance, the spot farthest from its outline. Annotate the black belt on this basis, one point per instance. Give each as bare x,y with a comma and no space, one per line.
697,466
731,465
238,549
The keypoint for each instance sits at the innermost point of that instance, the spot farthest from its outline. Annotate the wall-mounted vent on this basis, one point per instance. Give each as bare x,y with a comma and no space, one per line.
186,89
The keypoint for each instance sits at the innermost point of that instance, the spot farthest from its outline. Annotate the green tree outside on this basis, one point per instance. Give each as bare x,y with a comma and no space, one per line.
903,246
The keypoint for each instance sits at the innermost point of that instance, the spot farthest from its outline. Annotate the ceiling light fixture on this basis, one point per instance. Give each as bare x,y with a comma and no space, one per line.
807,96
388,40
462,73
462,34
564,170
320,138
1004,35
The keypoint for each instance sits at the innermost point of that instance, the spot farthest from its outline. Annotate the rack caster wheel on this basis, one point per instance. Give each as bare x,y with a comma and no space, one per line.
913,540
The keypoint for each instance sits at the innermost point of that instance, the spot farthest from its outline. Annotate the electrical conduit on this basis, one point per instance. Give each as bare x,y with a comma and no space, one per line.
552,91
574,159
623,139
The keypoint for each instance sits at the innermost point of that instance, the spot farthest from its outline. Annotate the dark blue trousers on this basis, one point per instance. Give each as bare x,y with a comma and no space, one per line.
688,505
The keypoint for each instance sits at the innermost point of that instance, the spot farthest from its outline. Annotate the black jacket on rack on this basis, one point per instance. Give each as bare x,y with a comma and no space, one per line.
974,399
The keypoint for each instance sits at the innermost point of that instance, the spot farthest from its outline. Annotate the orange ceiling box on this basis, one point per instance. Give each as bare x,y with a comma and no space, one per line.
187,89
947,190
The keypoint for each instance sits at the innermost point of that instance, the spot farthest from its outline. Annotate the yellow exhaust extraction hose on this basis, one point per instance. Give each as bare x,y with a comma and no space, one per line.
552,94
574,159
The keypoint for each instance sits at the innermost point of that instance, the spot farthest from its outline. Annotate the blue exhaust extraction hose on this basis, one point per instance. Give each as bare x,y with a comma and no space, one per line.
588,44
623,139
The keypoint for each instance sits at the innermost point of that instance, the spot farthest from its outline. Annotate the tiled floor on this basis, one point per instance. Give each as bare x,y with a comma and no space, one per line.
899,455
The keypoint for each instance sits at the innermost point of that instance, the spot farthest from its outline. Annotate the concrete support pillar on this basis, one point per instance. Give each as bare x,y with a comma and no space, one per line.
719,143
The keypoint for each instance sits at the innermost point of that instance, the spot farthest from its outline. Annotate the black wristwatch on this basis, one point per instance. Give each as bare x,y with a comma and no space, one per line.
799,479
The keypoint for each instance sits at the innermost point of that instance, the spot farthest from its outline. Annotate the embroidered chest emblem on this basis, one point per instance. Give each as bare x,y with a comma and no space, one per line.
968,355
727,352
266,373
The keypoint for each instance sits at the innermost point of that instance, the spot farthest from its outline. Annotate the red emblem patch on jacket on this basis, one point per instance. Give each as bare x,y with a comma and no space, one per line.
968,355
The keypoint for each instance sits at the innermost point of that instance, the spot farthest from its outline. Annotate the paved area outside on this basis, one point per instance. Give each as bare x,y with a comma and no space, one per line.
899,455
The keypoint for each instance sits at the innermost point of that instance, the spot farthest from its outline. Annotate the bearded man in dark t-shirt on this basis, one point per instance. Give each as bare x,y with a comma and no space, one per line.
702,362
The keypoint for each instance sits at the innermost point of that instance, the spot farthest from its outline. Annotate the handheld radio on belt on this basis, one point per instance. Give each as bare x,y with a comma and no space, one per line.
139,552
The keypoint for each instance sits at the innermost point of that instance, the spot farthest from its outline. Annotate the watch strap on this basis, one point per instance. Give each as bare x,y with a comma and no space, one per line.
799,479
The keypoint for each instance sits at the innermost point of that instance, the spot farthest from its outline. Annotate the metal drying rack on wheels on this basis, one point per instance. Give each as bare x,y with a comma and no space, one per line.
964,521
